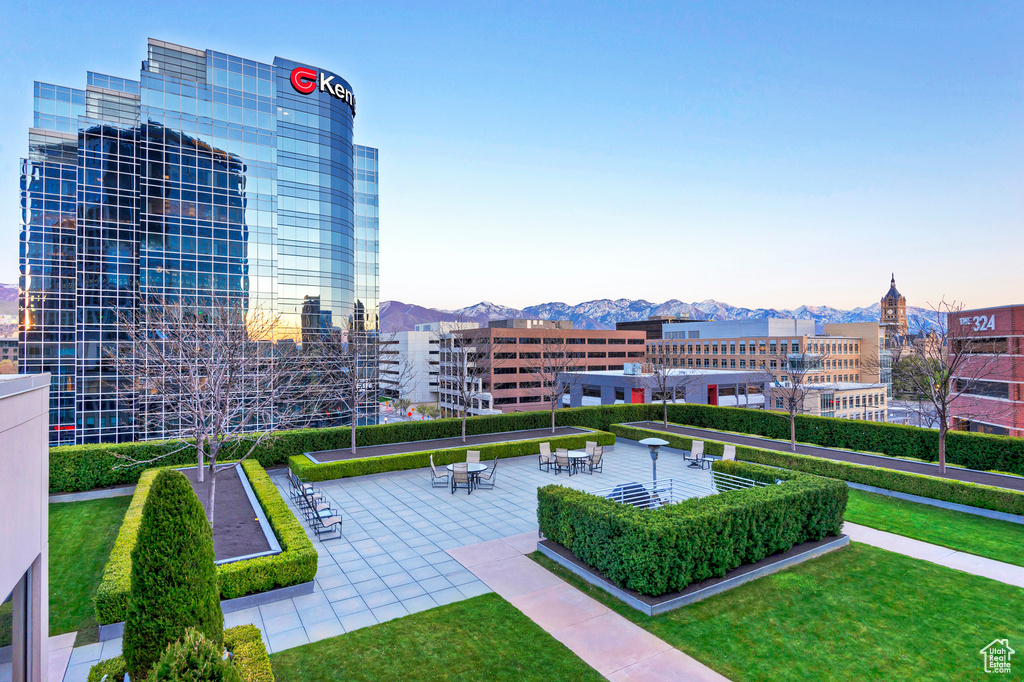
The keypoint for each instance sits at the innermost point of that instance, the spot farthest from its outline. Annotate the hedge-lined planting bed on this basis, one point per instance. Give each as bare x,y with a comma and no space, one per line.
679,442
305,469
84,467
960,492
297,562
664,550
972,450
251,658
75,468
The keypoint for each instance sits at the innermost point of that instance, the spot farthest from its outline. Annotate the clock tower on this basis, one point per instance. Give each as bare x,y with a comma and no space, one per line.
894,313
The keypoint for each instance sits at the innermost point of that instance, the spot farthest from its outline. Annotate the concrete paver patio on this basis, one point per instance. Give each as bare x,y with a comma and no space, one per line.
391,559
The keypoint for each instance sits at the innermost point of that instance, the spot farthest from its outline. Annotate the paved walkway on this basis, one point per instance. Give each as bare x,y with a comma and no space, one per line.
612,645
944,556
59,649
908,465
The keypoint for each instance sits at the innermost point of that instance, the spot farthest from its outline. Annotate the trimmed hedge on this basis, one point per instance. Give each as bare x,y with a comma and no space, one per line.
251,657
305,469
675,440
194,658
960,492
84,467
173,578
664,550
972,450
75,468
297,562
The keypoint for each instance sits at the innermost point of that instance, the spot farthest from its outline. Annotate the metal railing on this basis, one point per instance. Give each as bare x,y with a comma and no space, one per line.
655,494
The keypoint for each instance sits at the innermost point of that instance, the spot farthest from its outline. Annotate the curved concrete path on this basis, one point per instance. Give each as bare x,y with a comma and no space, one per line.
609,643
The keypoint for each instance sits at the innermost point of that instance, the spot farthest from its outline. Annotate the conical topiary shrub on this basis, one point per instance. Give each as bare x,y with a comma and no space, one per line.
174,580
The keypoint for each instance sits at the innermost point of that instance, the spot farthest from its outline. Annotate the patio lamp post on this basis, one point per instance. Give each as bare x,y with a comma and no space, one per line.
654,445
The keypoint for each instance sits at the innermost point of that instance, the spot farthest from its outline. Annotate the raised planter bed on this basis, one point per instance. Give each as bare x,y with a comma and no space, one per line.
694,592
286,561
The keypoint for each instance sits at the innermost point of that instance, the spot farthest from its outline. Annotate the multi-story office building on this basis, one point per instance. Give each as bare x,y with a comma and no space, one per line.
418,353
510,381
9,350
652,326
848,352
995,403
843,399
209,177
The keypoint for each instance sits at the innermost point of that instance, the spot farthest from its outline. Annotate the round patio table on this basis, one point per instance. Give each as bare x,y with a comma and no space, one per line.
576,458
474,468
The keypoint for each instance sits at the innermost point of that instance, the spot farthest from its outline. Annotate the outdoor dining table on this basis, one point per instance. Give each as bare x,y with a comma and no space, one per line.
576,458
474,468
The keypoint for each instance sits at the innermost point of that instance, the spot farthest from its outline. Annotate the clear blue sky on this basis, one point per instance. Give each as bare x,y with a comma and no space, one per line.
762,154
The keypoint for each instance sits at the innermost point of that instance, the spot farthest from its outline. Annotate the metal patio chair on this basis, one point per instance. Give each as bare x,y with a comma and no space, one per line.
437,480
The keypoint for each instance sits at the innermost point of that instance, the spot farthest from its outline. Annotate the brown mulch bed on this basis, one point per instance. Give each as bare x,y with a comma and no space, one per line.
236,531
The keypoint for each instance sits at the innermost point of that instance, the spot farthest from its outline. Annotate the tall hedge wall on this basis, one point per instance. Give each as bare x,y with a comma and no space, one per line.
308,471
664,550
84,467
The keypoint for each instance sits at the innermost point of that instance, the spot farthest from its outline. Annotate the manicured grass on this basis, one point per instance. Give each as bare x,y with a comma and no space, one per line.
860,613
81,536
999,540
484,638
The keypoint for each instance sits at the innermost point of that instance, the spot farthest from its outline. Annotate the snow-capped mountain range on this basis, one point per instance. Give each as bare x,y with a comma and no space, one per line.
604,313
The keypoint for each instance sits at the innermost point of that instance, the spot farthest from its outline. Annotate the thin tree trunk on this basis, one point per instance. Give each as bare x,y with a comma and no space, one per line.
664,412
352,432
942,447
463,425
210,492
792,432
199,464
552,417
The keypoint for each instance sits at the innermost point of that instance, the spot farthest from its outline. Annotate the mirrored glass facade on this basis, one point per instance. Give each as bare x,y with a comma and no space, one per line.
210,178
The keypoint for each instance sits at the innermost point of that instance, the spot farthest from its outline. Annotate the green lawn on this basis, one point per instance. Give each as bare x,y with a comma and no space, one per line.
81,536
484,638
860,613
999,540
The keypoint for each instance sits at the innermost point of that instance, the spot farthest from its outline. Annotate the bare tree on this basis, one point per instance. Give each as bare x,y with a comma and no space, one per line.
946,365
356,365
466,361
799,368
556,366
665,382
211,378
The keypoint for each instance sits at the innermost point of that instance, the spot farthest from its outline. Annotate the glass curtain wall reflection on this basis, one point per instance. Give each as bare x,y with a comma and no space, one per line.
210,179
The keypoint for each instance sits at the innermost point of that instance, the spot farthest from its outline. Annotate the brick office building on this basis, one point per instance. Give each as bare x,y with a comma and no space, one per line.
996,402
510,382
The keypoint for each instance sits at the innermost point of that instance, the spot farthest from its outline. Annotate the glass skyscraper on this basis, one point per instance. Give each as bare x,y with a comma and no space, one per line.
211,177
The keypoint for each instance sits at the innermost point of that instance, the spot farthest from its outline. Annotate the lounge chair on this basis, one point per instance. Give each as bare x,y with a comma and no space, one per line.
473,456
485,479
596,460
437,480
562,461
545,459
327,525
460,478
728,452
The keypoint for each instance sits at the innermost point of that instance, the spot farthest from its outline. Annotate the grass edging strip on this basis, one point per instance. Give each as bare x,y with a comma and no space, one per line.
305,469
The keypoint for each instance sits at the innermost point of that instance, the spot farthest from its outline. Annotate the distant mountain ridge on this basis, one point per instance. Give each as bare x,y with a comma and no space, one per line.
604,313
